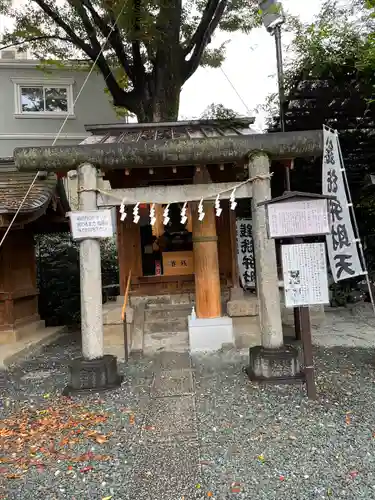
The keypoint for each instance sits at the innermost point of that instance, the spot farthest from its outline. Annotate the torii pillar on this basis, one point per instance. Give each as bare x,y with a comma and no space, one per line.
94,371
209,330
272,361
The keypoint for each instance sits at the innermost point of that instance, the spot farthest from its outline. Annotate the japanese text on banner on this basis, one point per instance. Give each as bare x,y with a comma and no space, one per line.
245,253
342,248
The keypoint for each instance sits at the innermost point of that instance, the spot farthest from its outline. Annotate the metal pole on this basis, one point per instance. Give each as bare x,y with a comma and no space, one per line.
126,347
280,79
308,357
90,272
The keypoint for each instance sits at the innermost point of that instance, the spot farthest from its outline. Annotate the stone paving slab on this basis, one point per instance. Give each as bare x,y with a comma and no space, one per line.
165,473
171,361
172,383
170,419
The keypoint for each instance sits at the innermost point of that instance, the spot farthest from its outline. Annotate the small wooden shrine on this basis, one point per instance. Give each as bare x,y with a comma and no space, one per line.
43,211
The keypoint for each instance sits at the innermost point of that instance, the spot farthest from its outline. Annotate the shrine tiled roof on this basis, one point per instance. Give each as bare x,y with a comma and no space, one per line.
193,129
14,185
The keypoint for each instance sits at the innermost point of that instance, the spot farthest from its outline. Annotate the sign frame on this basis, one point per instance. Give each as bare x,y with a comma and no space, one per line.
301,250
298,197
106,231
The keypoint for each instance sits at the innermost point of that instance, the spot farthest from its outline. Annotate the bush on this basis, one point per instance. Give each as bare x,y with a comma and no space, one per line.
58,276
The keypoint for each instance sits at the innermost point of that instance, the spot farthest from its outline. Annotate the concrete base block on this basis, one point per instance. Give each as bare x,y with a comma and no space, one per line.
236,293
22,332
246,331
207,335
243,307
274,365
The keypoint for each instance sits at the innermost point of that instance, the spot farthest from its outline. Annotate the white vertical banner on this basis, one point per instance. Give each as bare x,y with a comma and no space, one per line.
342,248
245,252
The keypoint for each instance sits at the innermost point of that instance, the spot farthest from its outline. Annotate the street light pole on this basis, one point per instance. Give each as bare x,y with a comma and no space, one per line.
273,19
280,78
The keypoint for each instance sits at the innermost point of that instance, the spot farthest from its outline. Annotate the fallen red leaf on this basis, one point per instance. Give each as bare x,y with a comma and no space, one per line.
86,469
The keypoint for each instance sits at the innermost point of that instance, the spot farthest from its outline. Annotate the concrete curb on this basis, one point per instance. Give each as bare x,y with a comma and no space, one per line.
23,351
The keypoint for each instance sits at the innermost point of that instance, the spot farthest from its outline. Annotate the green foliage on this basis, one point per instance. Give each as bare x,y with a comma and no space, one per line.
218,112
58,279
110,267
58,276
331,80
155,46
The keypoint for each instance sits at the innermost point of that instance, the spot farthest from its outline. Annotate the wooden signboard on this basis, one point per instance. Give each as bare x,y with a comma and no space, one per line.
178,263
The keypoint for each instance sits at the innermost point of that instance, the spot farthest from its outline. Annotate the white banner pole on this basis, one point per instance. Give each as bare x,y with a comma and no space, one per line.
354,219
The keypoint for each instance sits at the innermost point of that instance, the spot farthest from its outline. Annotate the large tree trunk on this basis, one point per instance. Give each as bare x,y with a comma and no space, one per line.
162,87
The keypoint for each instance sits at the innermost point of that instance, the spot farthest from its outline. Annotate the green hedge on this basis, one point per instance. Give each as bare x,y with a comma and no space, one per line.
58,276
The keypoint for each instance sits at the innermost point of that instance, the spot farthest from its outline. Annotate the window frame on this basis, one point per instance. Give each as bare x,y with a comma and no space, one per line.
20,83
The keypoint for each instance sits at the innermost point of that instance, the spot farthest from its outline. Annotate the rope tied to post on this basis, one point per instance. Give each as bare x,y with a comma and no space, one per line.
261,177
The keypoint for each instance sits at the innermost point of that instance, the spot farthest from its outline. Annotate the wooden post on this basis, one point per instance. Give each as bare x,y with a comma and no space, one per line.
128,249
158,227
206,261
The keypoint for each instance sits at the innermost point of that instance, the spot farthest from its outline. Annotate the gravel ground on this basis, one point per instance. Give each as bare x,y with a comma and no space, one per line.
181,432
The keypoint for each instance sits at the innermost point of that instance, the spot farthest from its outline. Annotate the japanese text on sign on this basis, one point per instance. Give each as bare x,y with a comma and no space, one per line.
178,263
342,248
95,224
245,253
305,274
297,218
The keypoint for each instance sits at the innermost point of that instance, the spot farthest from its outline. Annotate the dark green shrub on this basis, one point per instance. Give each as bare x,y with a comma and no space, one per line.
58,276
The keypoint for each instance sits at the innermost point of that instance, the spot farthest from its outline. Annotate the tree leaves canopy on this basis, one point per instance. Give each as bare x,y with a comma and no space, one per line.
153,46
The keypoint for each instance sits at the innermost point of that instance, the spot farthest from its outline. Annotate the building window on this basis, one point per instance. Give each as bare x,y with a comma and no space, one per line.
49,99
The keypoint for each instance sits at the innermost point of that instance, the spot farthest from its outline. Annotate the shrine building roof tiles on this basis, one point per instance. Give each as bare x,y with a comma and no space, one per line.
14,185
192,129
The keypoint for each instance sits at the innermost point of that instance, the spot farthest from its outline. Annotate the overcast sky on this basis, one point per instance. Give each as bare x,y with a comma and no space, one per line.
250,66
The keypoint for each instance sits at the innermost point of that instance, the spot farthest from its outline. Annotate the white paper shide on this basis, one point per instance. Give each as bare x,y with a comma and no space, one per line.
342,249
305,274
95,224
245,252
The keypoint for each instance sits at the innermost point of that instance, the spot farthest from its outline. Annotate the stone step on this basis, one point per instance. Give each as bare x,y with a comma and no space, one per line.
165,313
166,325
157,300
168,307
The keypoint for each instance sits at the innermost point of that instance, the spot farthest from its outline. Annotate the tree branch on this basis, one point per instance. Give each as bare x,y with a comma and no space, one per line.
208,13
120,97
36,39
113,35
203,34
68,30
139,70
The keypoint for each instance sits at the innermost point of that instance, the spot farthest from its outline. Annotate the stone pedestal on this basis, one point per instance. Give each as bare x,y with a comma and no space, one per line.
274,365
248,306
209,335
236,293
